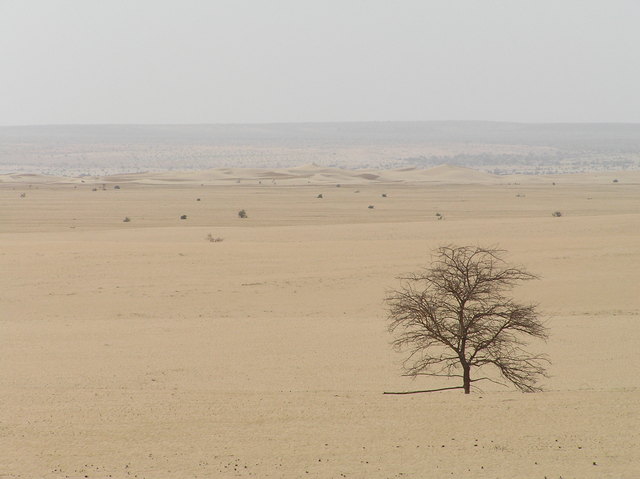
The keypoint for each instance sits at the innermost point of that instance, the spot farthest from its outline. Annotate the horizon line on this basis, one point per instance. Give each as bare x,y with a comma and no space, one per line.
268,123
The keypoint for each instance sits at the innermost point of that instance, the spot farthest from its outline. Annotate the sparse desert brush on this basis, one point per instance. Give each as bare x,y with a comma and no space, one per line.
183,217
116,187
371,207
320,196
384,195
126,219
556,214
242,214
214,239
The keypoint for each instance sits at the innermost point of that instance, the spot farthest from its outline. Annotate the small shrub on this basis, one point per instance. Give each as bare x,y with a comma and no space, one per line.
183,217
116,187
242,214
126,219
616,180
556,214
23,195
95,189
320,196
338,185
371,207
384,195
212,239
197,199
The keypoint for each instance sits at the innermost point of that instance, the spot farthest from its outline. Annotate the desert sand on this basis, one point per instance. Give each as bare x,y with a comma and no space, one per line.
141,349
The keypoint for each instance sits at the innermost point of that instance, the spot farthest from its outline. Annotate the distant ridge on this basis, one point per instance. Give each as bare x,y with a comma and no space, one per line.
592,135
495,147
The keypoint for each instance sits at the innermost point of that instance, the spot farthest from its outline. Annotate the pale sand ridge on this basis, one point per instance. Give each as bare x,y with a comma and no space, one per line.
317,175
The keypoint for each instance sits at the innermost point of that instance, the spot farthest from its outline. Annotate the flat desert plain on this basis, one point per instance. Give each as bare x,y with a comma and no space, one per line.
140,349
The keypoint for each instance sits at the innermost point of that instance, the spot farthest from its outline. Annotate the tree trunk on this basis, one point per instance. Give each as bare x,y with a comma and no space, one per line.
466,378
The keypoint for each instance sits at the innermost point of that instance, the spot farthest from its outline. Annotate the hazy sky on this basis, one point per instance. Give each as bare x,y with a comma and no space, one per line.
237,61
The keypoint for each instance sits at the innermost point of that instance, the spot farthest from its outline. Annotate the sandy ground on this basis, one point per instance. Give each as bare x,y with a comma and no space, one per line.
140,349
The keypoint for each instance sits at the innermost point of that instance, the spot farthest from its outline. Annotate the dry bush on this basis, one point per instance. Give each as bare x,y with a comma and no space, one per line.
214,239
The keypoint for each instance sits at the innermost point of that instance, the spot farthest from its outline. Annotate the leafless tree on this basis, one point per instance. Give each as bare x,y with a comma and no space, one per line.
454,317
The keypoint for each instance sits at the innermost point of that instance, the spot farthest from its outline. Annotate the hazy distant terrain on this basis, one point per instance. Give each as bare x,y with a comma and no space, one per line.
500,148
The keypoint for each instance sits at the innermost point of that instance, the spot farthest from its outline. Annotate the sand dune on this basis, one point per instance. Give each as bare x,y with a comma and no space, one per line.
316,175
312,174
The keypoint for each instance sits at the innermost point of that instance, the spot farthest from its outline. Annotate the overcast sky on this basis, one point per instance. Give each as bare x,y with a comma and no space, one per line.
239,61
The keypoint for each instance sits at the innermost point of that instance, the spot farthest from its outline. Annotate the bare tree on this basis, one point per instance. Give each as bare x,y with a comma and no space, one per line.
454,316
